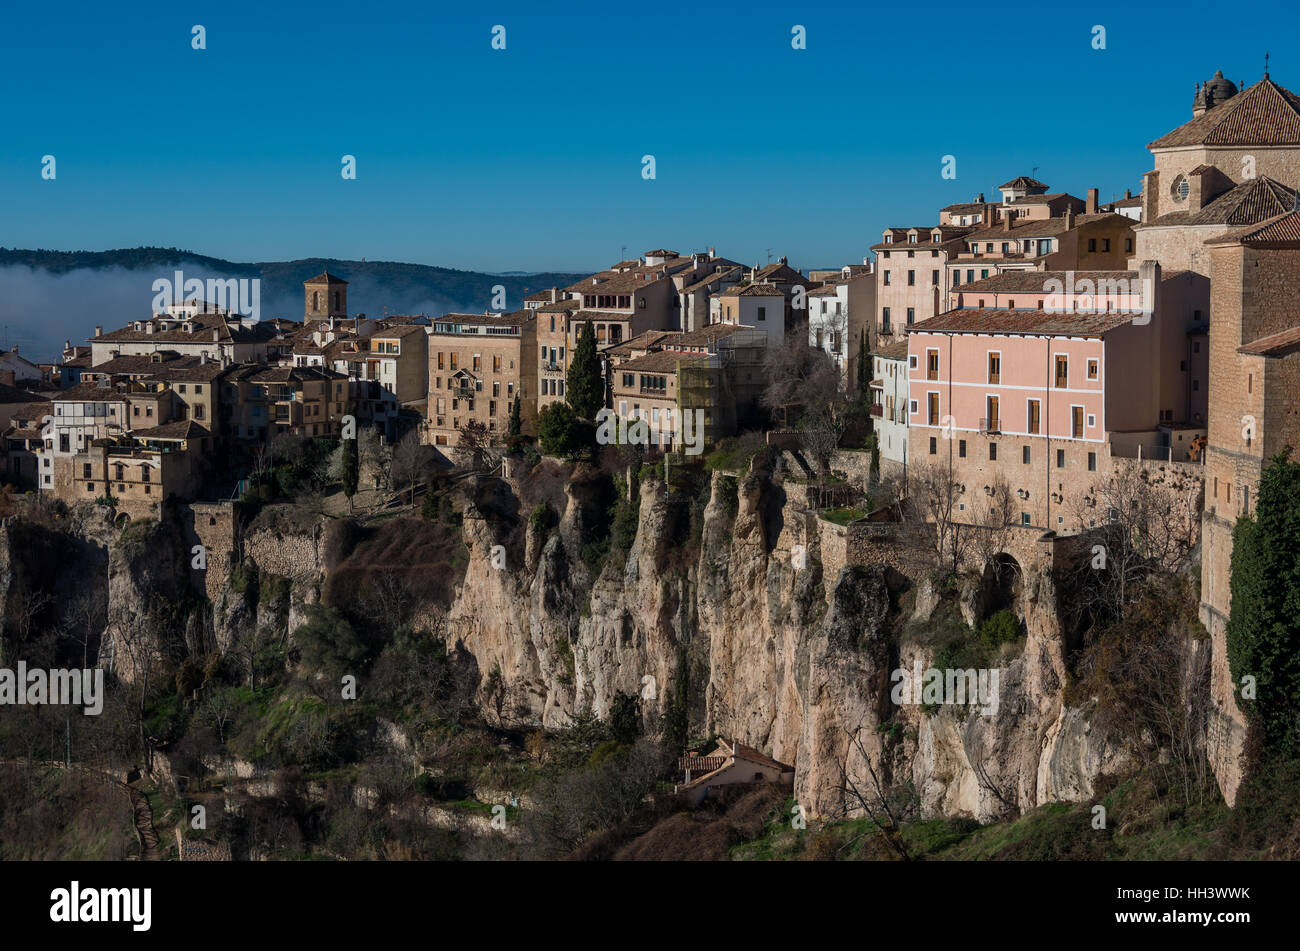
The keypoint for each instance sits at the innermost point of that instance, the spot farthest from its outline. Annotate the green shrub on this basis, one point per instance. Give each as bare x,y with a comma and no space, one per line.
1001,628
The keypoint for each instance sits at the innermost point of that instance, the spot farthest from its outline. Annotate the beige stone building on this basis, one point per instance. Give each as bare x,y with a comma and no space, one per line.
478,364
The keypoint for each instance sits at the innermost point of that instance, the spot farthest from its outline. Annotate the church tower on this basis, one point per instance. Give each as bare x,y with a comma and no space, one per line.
325,297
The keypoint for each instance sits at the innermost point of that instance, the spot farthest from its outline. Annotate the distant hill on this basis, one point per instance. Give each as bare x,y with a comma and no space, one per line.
49,296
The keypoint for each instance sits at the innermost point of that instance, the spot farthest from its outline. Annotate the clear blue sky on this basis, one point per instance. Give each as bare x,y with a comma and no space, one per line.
530,158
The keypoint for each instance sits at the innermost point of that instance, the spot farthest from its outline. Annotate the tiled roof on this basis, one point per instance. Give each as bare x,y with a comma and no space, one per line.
14,394
1280,230
962,207
516,318
1254,200
181,429
1023,181
1036,281
1274,344
325,277
614,282
741,751
202,332
1262,114
1033,322
259,374
89,393
716,277
1043,199
661,361
1038,228
895,351
397,330
753,290
560,306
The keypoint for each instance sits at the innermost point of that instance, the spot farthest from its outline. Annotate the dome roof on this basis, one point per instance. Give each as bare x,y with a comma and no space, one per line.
1218,90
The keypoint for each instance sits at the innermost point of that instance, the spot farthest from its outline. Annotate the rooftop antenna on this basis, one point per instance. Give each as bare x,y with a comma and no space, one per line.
769,255
1266,66
622,253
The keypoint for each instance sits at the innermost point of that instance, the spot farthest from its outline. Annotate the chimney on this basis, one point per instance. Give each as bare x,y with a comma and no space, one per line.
99,330
1090,208
1006,222
711,253
1069,218
1128,193
203,358
979,199
1149,281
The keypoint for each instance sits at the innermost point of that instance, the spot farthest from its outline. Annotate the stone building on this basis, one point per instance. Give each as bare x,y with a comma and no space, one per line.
478,364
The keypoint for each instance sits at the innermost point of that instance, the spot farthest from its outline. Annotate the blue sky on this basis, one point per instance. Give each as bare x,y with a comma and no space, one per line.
530,158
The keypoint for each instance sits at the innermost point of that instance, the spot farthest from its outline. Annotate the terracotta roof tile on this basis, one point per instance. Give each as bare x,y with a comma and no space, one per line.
1262,114
1032,322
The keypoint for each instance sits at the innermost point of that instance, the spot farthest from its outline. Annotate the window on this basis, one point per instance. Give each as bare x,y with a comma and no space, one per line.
1105,245
884,320
993,452
911,361
85,470
1092,462
911,278
1180,189
1062,370
995,366
934,278
1060,458
912,408
1092,421
932,408
1032,421
1024,518
1128,244
934,445
911,316
1076,422
932,364
762,313
1024,454
1092,245
886,278
961,448
1092,368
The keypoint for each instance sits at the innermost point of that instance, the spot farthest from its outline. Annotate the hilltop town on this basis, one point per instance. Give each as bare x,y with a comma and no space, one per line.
949,430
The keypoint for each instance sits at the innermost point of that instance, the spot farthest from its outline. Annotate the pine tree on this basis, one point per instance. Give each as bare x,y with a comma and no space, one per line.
585,388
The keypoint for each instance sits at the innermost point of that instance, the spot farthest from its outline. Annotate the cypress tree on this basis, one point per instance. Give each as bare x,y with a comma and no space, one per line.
585,389
1263,631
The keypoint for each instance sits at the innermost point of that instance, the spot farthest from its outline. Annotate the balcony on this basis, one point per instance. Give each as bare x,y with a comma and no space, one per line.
876,410
993,425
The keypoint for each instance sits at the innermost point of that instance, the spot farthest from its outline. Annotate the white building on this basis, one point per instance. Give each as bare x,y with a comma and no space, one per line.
838,313
889,395
761,306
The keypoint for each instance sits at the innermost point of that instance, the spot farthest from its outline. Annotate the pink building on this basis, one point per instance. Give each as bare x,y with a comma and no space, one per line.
1044,399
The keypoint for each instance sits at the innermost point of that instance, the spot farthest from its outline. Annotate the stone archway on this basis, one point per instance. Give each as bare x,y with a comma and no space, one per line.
1003,579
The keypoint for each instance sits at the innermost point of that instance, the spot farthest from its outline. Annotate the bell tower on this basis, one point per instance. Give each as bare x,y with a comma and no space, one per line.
325,297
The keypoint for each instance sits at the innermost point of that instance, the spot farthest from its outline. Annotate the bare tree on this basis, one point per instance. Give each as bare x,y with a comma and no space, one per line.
887,805
408,463
800,376
996,516
1146,531
934,528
